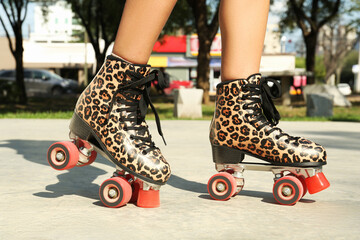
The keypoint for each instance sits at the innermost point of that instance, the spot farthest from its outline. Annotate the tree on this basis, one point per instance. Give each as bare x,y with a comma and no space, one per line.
15,11
336,43
100,20
310,16
207,25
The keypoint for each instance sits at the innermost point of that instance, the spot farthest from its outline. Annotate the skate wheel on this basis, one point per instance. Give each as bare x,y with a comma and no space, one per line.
303,182
63,155
317,183
222,186
288,190
115,192
93,155
148,198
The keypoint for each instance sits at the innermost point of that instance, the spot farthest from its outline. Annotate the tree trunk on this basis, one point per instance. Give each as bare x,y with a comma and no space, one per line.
18,55
100,57
203,68
310,42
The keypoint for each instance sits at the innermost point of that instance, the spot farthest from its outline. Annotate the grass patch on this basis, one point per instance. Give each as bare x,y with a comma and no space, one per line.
62,108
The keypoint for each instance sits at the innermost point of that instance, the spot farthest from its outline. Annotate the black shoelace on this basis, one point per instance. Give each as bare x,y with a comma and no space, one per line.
135,110
263,109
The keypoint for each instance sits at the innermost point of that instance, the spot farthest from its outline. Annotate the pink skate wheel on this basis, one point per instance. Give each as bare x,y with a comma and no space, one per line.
288,190
63,155
115,192
222,186
148,198
317,183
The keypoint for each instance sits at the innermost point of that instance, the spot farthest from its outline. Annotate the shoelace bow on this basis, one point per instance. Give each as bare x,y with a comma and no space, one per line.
136,110
264,106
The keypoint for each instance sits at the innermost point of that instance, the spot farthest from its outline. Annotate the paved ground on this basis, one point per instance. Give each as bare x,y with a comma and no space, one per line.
38,202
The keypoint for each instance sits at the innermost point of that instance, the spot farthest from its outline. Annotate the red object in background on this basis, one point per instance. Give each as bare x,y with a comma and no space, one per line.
171,44
176,84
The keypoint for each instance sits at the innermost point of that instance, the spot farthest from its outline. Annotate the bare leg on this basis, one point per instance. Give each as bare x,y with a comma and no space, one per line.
140,26
243,27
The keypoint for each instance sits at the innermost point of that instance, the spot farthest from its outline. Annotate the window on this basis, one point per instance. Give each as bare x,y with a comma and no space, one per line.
27,74
8,73
41,75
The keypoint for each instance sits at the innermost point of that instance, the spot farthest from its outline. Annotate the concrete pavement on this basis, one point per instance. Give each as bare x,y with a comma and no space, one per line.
38,202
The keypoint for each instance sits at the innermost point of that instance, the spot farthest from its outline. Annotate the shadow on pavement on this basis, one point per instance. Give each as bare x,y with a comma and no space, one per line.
187,185
266,196
77,181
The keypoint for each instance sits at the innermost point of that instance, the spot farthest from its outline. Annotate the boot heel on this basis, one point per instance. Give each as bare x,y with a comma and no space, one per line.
79,127
226,155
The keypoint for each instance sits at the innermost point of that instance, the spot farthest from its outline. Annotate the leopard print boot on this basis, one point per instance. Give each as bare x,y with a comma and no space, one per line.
109,118
244,123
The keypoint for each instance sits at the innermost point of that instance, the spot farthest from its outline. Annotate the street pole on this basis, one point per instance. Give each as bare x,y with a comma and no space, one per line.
357,79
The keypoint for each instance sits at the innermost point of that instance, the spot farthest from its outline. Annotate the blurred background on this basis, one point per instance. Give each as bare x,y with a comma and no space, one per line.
50,50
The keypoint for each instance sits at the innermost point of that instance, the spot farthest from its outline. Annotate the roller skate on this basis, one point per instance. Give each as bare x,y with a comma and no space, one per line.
109,119
244,123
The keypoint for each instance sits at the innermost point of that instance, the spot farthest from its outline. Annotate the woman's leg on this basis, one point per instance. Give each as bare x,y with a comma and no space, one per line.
245,116
110,112
243,27
140,26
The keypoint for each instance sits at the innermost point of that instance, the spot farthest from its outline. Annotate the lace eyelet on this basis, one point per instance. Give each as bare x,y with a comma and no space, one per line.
143,152
137,145
132,137
277,137
287,141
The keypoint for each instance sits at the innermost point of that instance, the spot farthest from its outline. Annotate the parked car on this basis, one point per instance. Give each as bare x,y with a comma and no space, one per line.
344,88
41,82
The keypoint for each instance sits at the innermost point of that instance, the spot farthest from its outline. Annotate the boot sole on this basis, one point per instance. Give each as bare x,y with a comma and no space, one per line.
227,155
82,130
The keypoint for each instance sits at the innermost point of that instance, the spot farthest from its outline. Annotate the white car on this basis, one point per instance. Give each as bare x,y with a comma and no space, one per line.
344,88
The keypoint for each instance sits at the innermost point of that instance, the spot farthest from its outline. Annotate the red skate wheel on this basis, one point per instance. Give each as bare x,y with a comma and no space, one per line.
93,155
222,186
148,198
317,183
136,185
63,155
288,190
115,192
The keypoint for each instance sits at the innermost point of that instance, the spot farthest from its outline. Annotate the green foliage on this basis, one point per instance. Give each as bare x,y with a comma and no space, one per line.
181,18
320,70
300,62
100,18
310,12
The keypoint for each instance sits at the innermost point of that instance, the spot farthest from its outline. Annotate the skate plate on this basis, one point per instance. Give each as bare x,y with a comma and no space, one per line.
290,183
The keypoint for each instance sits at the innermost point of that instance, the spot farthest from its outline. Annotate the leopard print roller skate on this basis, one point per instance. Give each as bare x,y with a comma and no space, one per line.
109,118
244,123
